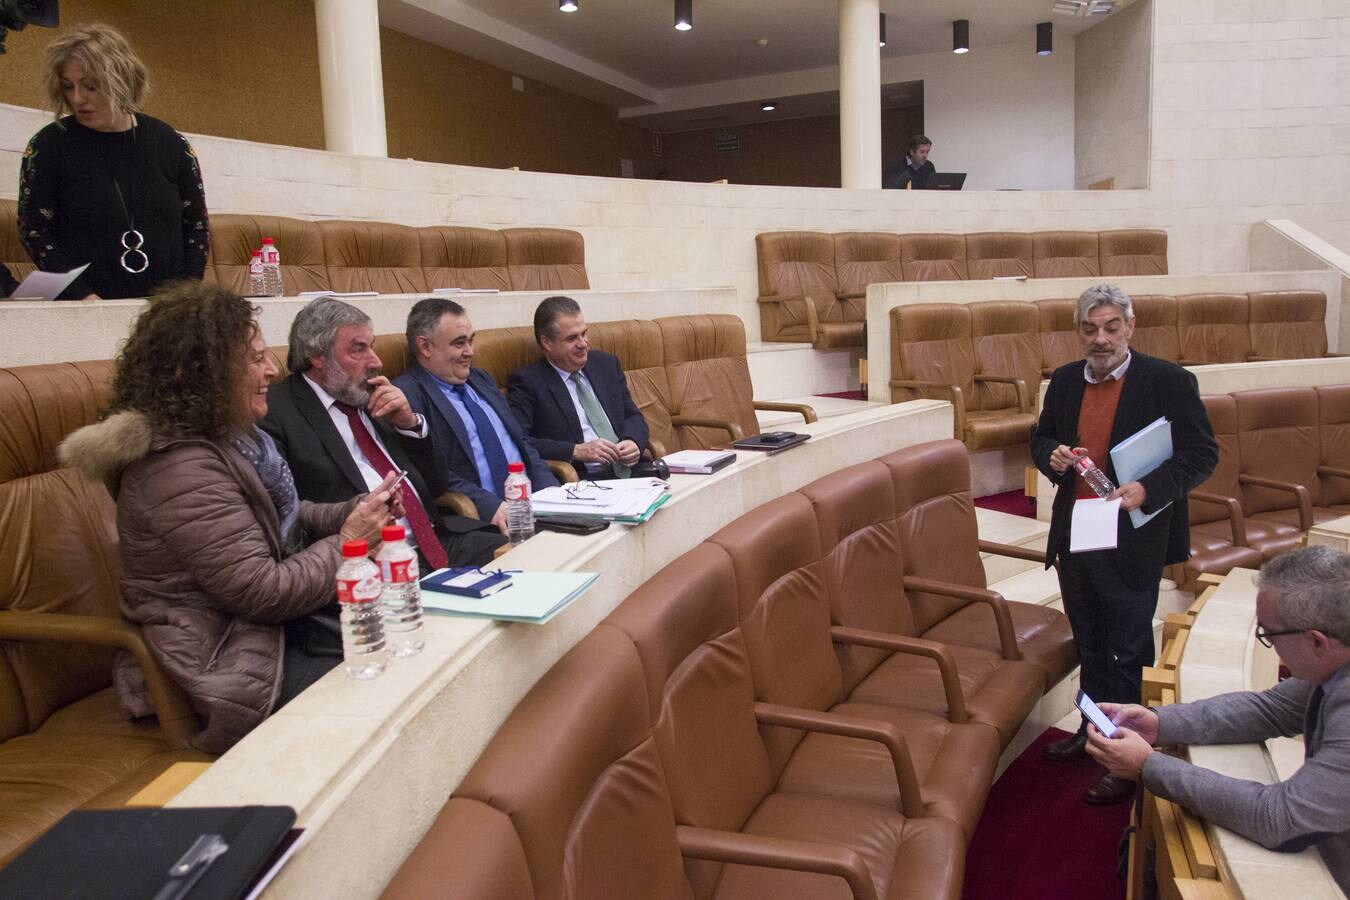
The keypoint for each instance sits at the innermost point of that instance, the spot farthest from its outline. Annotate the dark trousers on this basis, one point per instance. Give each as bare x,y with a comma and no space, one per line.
1112,624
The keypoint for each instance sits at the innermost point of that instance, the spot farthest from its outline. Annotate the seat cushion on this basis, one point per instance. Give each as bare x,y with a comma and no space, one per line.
908,859
834,335
1043,635
997,428
1222,560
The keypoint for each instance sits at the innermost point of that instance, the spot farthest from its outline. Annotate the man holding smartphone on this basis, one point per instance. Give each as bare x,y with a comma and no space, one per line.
1303,612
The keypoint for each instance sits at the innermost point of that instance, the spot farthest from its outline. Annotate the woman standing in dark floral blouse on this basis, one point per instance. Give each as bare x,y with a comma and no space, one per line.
105,184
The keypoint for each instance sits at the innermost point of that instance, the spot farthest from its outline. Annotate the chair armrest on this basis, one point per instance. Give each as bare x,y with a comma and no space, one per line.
812,321
778,853
172,709
459,504
951,679
1300,492
563,471
1007,638
1333,472
852,295
657,448
730,428
1236,519
1012,550
953,393
1265,358
884,733
1024,403
800,409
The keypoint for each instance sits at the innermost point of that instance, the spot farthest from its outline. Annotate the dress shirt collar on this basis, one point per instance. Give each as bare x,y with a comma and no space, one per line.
445,385
325,398
1117,373
563,373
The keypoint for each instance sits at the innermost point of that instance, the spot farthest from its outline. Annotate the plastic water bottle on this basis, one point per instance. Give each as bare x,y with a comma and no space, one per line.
519,516
358,591
1095,477
271,265
256,287
400,596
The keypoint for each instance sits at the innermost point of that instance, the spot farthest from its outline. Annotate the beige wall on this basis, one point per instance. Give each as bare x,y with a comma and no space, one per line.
1111,99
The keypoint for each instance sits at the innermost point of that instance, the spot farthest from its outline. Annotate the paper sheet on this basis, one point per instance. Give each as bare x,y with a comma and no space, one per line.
1093,526
46,285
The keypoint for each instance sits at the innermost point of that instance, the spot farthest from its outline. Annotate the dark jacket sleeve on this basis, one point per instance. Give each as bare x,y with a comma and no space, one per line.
522,392
1195,453
1044,437
196,229
40,208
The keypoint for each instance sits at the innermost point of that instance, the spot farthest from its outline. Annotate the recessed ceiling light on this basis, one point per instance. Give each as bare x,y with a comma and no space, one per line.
769,105
567,5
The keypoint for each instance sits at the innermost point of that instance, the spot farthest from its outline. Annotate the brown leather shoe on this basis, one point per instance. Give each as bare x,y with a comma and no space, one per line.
1070,749
1109,790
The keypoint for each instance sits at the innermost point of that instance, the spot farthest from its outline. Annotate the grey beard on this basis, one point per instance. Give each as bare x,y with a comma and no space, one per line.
357,394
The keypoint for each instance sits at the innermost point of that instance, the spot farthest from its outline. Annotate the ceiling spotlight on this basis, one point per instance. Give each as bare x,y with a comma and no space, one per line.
567,5
883,29
769,105
1044,38
961,36
684,15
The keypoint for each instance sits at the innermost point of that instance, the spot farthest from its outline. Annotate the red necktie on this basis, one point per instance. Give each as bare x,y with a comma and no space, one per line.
427,541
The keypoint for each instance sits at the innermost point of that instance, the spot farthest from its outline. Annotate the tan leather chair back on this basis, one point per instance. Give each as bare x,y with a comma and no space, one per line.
1064,254
545,259
933,257
931,342
300,243
1333,425
785,612
1212,328
794,264
58,538
1005,340
1222,412
463,257
372,256
12,252
392,349
1058,337
500,351
935,517
639,347
471,845
866,257
1278,438
1155,326
1132,251
1288,324
708,375
861,554
993,253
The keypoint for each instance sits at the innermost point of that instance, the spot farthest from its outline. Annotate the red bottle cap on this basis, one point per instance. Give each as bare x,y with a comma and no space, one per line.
355,549
515,467
268,241
391,533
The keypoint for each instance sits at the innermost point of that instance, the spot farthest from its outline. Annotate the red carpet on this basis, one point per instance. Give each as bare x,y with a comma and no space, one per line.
1038,840
1014,502
845,395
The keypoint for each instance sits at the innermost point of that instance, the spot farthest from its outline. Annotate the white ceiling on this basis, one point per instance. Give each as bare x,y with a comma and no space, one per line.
627,53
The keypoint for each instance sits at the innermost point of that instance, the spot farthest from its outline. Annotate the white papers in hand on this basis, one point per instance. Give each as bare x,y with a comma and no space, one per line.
1093,526
46,285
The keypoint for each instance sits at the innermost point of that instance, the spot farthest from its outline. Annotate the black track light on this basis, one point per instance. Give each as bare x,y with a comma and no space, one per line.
684,15
567,5
882,29
961,36
1045,38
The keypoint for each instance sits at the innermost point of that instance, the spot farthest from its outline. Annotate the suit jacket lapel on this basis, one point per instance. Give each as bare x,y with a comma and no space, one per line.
444,409
307,402
562,397
1133,395
482,383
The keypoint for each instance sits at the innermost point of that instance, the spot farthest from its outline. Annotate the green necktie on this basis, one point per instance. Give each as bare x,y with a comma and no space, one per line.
599,421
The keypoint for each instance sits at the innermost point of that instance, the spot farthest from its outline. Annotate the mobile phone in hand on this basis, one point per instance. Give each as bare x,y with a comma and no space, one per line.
398,482
1089,708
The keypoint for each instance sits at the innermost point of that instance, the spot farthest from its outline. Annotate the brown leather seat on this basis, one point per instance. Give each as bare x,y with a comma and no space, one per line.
545,259
463,257
944,576
796,281
639,346
1288,324
933,257
860,258
300,243
12,252
861,554
1058,337
372,256
1333,428
785,623
1132,251
63,742
1064,254
1004,337
685,624
1155,326
1212,328
1220,538
990,254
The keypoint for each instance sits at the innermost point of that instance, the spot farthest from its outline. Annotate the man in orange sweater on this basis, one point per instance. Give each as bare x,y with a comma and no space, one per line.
1110,595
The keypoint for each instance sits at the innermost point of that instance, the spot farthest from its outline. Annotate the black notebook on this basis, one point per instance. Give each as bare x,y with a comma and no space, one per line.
119,853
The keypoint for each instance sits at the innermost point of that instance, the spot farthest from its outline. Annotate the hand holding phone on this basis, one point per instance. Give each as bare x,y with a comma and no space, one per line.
1095,715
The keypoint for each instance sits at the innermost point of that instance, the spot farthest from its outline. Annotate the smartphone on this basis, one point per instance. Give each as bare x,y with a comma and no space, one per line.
398,481
1095,715
775,437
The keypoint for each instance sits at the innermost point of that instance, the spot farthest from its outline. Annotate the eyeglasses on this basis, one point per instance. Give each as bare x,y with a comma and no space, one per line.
578,490
1264,636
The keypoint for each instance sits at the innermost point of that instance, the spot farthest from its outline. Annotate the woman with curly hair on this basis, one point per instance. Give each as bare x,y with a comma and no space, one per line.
228,573
105,184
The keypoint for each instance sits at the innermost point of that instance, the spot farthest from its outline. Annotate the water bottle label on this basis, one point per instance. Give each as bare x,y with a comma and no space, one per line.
517,491
358,590
1083,464
255,267
398,571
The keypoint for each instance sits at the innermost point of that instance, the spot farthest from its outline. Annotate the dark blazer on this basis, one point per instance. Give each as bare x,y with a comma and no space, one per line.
1153,388
324,470
453,461
544,406
7,283
923,178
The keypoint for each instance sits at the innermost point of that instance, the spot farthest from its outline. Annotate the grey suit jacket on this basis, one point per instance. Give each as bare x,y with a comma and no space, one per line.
1312,808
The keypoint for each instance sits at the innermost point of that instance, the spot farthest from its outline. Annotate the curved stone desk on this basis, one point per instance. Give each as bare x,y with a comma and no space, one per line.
368,765
1222,655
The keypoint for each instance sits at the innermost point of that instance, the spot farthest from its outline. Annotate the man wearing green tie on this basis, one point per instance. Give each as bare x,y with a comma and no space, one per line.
574,402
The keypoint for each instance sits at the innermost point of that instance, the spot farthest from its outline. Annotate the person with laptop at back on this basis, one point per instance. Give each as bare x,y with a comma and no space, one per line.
916,172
